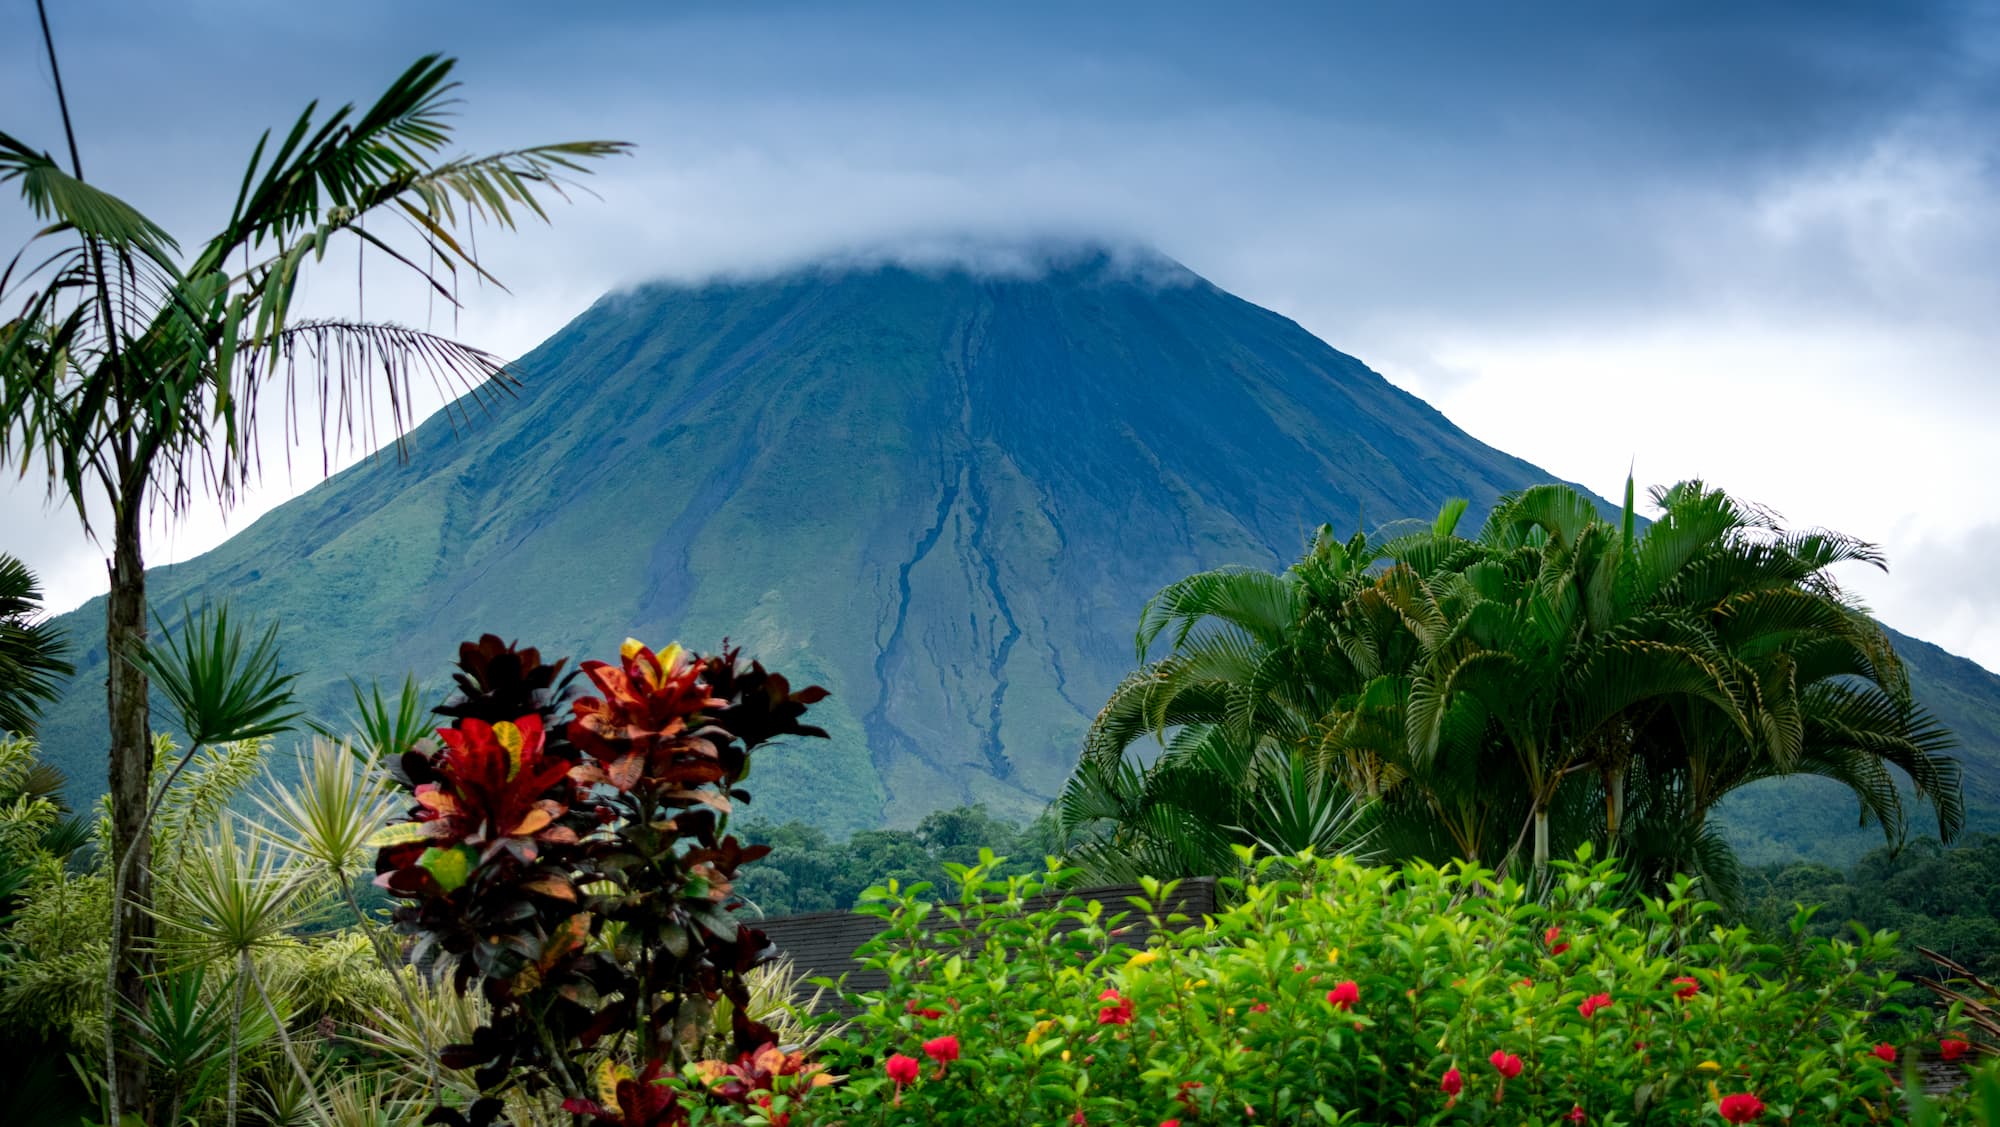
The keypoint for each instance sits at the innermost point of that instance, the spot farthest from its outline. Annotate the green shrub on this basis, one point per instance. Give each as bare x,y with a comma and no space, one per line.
1334,992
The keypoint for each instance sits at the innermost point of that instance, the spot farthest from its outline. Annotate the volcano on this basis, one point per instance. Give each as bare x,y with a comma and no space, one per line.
942,492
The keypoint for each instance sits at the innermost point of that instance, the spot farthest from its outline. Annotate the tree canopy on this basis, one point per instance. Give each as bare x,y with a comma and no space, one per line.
1557,678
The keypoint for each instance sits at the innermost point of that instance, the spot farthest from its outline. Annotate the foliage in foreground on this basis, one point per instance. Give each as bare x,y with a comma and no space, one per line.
570,858
131,370
1339,993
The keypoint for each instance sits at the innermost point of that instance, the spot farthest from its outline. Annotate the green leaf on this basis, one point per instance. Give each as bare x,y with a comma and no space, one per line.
450,867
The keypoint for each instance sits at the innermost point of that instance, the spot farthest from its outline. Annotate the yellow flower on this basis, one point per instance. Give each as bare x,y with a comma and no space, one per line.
1332,955
1231,1011
1040,1028
1200,982
1142,958
1065,1054
1709,1066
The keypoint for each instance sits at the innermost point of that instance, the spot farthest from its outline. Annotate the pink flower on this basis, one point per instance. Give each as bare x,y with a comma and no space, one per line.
1952,1048
1593,1004
1119,1012
1740,1108
1885,1051
1551,937
943,1050
1453,1083
1575,1114
1505,1063
901,1069
1078,1118
1343,996
1686,987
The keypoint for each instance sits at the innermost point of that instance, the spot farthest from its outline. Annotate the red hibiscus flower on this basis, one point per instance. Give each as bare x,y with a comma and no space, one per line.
1741,1107
1552,938
943,1050
1686,987
1453,1083
1260,1008
1343,996
1593,1004
1575,1114
902,1069
911,1007
1170,1123
1505,1063
1885,1051
1952,1048
1119,1012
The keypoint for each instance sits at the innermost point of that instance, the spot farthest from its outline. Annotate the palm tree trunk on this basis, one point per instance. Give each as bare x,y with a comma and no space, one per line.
131,769
1614,806
1541,840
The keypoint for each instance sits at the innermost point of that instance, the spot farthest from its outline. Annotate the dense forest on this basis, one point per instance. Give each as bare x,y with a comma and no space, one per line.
810,871
1946,898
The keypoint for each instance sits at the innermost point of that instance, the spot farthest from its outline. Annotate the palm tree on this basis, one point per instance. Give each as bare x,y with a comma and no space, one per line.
31,648
1559,679
134,372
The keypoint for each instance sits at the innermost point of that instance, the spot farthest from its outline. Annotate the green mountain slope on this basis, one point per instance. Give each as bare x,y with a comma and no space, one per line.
943,495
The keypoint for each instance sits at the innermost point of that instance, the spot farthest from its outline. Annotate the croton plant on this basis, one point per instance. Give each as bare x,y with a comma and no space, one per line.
567,855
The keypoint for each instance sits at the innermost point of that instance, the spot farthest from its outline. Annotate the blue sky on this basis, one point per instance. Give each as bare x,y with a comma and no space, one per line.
1755,242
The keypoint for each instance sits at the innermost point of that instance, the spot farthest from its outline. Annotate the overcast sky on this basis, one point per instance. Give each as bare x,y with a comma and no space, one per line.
1759,243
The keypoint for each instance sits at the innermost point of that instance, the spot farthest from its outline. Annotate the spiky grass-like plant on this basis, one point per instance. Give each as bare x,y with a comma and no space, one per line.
236,898
324,822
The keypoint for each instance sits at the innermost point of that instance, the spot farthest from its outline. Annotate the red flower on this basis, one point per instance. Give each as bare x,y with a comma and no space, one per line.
1952,1048
1078,1118
1119,1012
1740,1108
1885,1051
1505,1063
911,1007
1686,987
901,1069
1575,1114
1550,937
1453,1083
1170,1123
1343,996
1593,1004
943,1050
1259,1008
